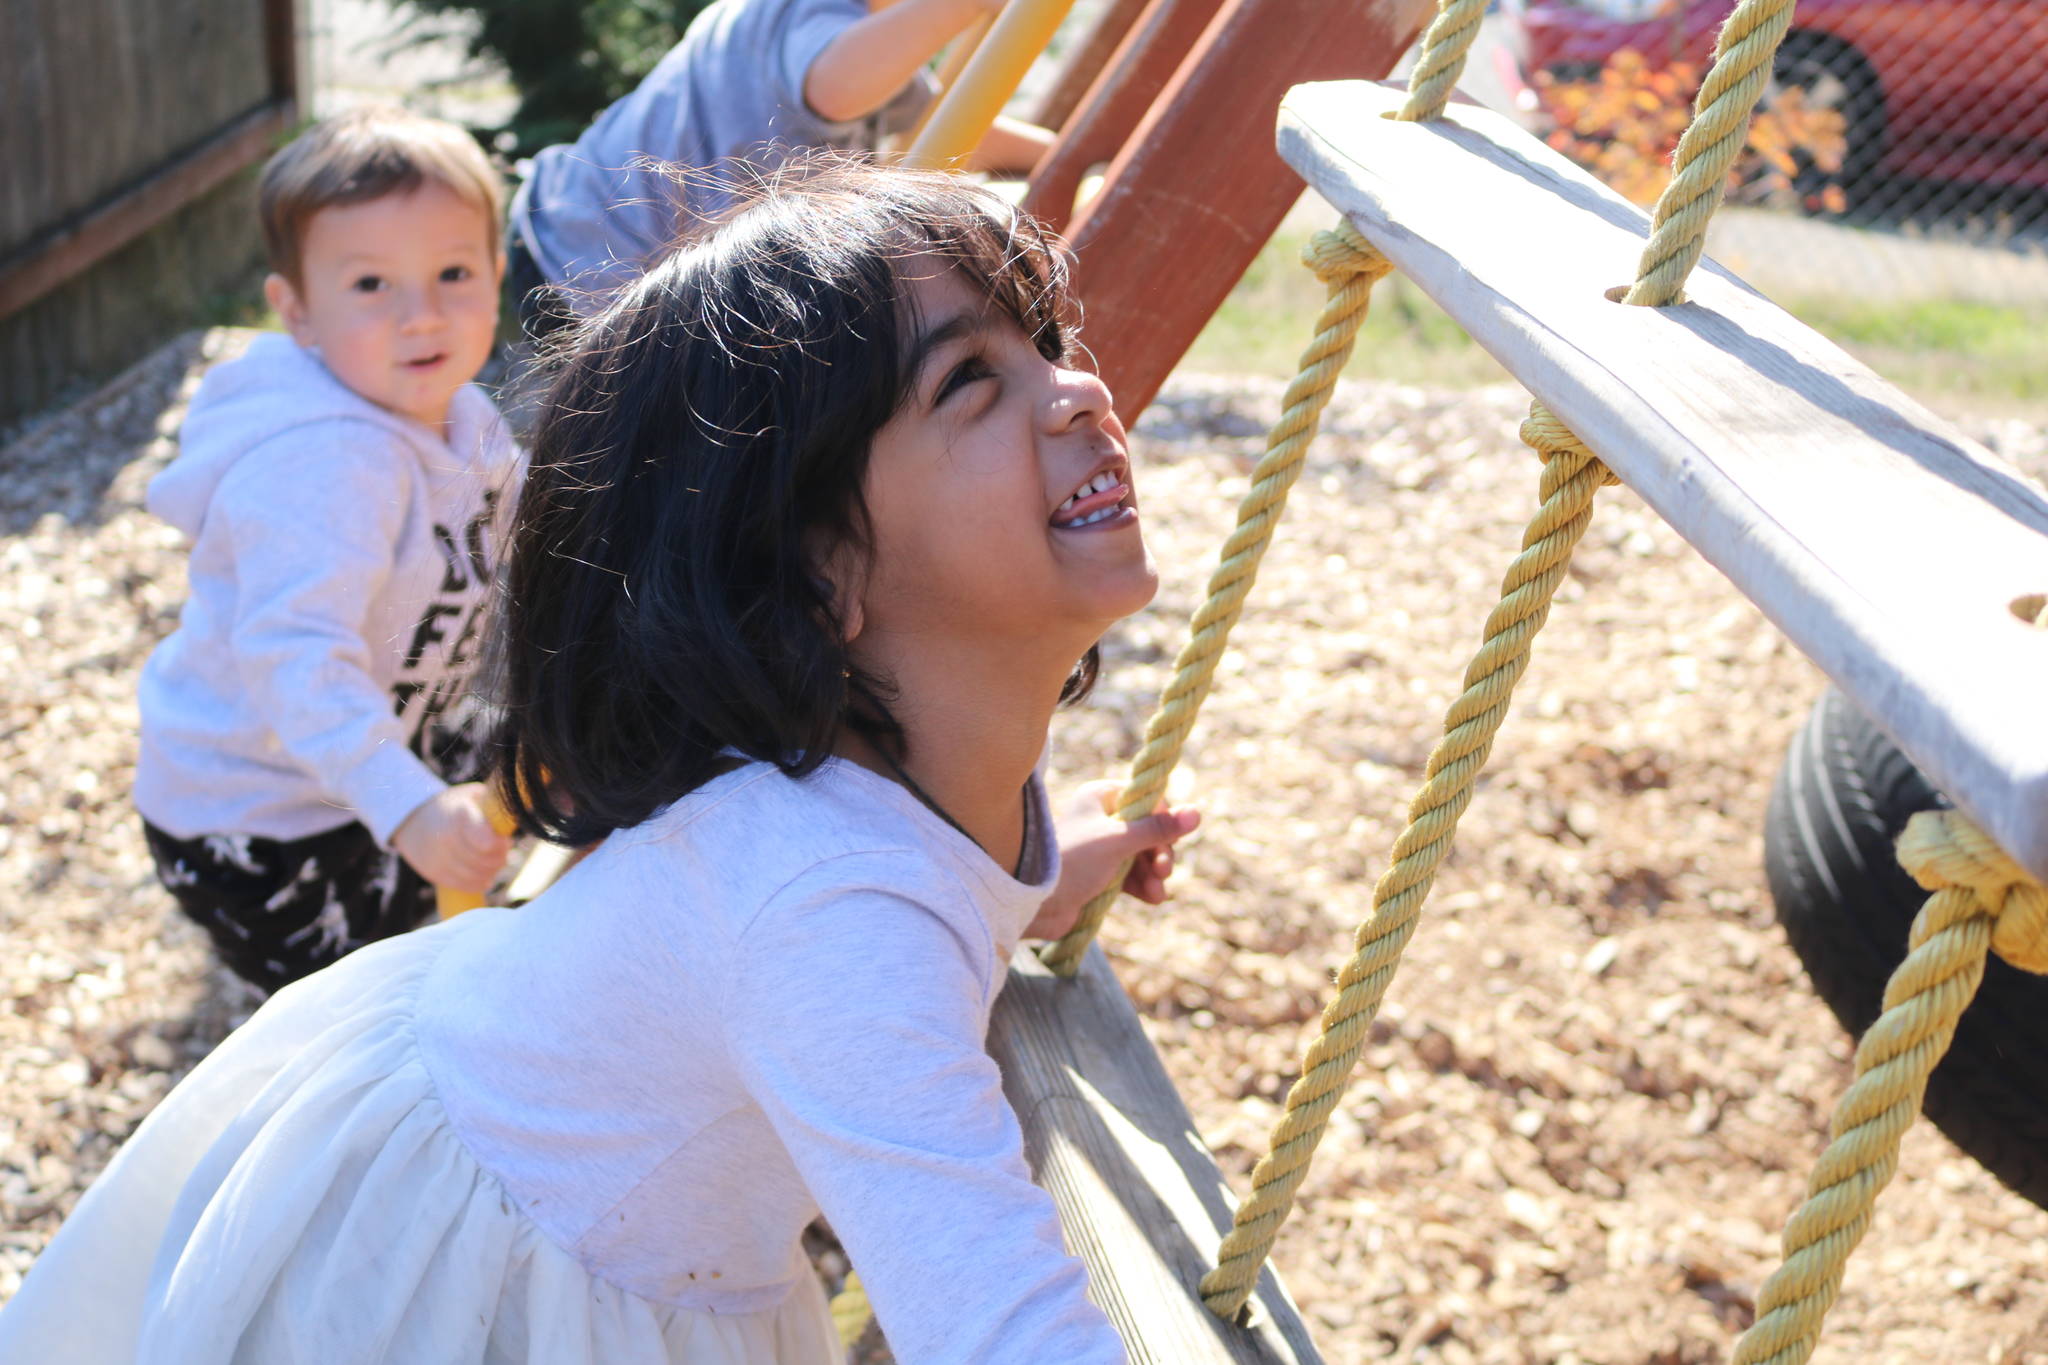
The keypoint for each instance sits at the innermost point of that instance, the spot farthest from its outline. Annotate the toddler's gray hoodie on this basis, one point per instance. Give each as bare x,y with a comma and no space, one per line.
341,555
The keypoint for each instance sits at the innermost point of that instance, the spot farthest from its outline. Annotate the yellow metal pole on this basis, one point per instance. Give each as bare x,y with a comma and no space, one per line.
969,107
963,48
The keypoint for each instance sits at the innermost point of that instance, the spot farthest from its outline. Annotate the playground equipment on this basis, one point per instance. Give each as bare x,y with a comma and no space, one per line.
1738,426
1179,118
1741,428
1789,465
995,58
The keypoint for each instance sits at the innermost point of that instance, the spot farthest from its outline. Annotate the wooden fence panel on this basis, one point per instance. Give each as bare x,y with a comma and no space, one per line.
98,95
127,129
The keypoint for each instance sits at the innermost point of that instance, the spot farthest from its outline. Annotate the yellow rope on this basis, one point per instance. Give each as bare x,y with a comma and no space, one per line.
1743,57
1982,899
1951,934
1720,126
851,1311
1443,59
1348,267
1571,475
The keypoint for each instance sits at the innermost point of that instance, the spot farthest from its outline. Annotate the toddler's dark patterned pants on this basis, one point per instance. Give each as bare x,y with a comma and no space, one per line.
278,910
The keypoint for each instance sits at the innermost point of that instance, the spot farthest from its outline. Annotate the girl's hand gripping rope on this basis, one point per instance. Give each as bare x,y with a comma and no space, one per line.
1094,843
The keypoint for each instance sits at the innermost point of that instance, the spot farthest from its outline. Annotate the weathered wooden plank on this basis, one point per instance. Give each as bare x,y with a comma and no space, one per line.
281,48
1140,1197
1197,189
1085,63
1146,59
1886,544
98,322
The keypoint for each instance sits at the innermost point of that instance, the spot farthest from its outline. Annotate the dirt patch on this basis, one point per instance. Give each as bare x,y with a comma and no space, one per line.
1600,1077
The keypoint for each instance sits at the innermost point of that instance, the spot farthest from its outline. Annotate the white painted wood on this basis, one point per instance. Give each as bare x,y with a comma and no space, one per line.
541,870
1887,545
1140,1198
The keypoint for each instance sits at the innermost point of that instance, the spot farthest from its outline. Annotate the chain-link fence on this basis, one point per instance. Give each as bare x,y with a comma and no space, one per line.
1927,116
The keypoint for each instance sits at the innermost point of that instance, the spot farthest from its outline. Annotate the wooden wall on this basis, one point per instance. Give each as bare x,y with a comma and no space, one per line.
127,128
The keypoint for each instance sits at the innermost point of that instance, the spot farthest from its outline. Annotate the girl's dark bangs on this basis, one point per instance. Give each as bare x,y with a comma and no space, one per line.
1023,270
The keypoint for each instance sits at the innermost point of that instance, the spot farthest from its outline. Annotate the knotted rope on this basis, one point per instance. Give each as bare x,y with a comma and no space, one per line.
1744,54
1982,900
1571,476
1443,59
1348,267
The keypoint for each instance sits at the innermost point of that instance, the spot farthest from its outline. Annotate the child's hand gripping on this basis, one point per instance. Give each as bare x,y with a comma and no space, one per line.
451,841
1094,844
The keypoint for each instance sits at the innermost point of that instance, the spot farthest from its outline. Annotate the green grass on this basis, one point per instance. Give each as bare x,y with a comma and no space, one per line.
1946,354
1939,350
1262,327
1950,355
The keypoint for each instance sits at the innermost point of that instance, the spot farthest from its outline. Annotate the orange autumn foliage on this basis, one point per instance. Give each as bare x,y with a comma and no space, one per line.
1624,126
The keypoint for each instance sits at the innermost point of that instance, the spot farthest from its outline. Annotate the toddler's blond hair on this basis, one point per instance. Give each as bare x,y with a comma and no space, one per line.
365,154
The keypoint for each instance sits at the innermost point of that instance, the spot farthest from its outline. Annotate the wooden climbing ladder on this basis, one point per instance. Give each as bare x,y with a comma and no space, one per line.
1907,562
1910,564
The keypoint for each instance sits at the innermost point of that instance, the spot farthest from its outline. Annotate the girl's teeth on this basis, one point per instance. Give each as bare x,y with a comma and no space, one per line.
1101,483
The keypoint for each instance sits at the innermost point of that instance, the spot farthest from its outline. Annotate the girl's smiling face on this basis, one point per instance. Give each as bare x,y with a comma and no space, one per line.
999,495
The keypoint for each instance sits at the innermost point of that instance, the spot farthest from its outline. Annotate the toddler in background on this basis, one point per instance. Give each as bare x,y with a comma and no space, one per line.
823,524
342,488
751,83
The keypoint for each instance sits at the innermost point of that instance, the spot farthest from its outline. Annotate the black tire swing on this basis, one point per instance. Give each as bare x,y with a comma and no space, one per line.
1843,795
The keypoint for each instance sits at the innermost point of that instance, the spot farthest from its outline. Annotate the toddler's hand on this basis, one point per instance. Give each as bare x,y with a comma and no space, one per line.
1094,843
451,842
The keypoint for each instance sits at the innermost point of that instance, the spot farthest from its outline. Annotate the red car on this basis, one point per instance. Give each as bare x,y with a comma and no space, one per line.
1951,90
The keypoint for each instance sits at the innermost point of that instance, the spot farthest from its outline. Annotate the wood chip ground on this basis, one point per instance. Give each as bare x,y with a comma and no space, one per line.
1600,1078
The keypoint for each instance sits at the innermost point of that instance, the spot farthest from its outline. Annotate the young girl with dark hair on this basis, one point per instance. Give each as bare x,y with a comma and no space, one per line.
820,521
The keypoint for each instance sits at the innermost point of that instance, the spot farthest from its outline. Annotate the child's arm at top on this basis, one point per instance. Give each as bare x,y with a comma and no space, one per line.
862,69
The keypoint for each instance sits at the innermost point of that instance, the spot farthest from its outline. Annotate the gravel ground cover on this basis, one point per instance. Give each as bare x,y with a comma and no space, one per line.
1600,1078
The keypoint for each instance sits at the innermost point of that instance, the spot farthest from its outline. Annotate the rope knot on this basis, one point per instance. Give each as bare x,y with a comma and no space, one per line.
1549,437
1943,848
1336,254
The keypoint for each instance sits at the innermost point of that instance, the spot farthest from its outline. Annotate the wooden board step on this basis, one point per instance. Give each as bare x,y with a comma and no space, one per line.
1140,1198
1897,553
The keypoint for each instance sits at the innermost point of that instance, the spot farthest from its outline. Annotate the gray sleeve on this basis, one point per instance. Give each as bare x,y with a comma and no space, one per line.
313,530
805,29
854,1014
815,23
